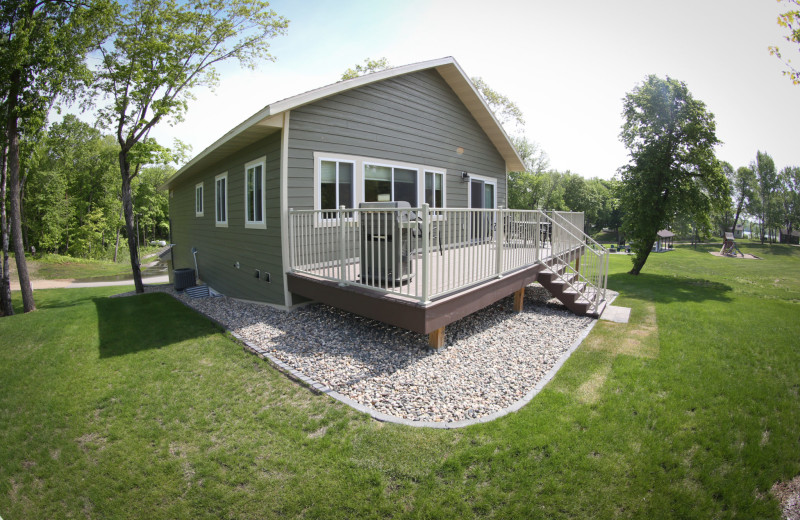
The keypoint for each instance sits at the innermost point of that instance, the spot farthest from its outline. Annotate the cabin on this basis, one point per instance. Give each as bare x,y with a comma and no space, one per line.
383,195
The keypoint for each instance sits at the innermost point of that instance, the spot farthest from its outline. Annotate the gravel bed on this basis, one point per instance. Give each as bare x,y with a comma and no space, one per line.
491,358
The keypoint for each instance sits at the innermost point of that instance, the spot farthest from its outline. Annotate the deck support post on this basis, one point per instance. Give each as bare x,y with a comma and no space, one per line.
436,338
519,299
578,263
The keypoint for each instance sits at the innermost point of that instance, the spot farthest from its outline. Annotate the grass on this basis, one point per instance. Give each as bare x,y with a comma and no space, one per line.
59,267
140,408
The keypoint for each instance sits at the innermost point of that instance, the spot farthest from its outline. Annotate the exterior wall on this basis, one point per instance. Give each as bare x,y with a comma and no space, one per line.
220,248
415,118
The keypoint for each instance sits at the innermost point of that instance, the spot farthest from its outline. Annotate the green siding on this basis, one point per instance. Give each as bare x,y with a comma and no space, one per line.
415,118
219,248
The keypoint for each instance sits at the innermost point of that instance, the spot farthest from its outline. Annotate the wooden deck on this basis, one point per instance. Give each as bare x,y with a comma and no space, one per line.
404,309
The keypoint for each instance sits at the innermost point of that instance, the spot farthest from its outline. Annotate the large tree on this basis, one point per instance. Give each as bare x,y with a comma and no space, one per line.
41,58
790,20
673,170
743,183
767,208
162,50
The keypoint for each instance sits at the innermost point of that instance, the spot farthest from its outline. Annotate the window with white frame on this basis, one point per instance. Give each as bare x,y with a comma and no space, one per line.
198,199
336,185
221,199
254,194
390,183
434,189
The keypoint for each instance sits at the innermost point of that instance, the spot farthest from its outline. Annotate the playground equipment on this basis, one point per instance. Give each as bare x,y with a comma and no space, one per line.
729,247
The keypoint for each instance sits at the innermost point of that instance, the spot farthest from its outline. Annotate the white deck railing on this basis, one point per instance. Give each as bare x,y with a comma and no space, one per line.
423,253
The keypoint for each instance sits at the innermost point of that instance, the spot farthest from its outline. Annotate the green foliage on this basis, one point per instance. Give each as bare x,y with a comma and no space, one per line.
673,170
506,111
72,197
790,20
369,67
162,49
790,196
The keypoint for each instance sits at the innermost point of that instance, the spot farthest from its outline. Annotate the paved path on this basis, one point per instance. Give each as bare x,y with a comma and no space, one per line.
72,284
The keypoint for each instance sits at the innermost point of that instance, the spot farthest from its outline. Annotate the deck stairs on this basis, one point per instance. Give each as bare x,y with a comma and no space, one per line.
576,296
580,287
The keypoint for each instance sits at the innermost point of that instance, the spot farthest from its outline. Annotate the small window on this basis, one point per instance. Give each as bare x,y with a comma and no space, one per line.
254,195
388,183
434,189
336,185
198,200
221,199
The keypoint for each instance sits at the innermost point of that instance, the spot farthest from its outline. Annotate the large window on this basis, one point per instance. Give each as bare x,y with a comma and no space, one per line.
254,196
221,199
198,199
336,186
434,189
388,183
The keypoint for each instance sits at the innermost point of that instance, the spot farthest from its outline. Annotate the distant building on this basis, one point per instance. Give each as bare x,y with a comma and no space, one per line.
792,237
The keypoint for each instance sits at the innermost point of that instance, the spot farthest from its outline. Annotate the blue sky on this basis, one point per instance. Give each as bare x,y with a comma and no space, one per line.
566,64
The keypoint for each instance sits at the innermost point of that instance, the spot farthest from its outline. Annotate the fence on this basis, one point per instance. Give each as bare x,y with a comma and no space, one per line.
422,253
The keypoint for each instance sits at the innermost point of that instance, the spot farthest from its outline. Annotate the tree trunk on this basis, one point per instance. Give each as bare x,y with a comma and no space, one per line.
116,246
28,304
6,309
639,260
127,206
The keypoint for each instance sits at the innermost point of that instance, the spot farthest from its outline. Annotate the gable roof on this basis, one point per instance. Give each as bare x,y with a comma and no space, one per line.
666,233
270,118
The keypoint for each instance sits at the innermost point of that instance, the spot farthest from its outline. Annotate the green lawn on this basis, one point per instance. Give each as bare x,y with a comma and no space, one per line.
140,408
59,267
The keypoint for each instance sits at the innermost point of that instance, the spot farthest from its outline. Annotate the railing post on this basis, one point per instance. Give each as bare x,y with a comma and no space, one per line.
499,241
342,269
538,230
425,255
291,240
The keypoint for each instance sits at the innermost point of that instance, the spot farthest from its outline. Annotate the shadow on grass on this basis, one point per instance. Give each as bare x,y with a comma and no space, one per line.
145,322
669,289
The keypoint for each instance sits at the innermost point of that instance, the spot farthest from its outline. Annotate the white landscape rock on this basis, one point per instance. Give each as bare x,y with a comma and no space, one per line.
491,358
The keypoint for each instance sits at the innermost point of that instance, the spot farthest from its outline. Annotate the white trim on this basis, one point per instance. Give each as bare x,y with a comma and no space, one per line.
359,163
217,221
200,200
256,224
436,171
318,179
284,209
393,166
486,180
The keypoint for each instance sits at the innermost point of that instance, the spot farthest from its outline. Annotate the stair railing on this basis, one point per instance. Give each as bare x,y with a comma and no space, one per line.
590,276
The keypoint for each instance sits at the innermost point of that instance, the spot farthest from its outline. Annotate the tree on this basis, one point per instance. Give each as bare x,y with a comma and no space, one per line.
743,184
162,50
670,137
790,197
6,309
369,67
42,58
768,182
790,20
506,111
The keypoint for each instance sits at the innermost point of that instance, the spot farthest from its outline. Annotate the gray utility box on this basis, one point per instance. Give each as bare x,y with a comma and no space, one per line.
386,242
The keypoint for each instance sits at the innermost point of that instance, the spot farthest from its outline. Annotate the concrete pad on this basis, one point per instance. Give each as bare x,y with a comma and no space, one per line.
616,314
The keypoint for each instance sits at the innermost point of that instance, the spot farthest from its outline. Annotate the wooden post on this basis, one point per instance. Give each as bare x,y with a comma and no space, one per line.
519,299
578,263
436,338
